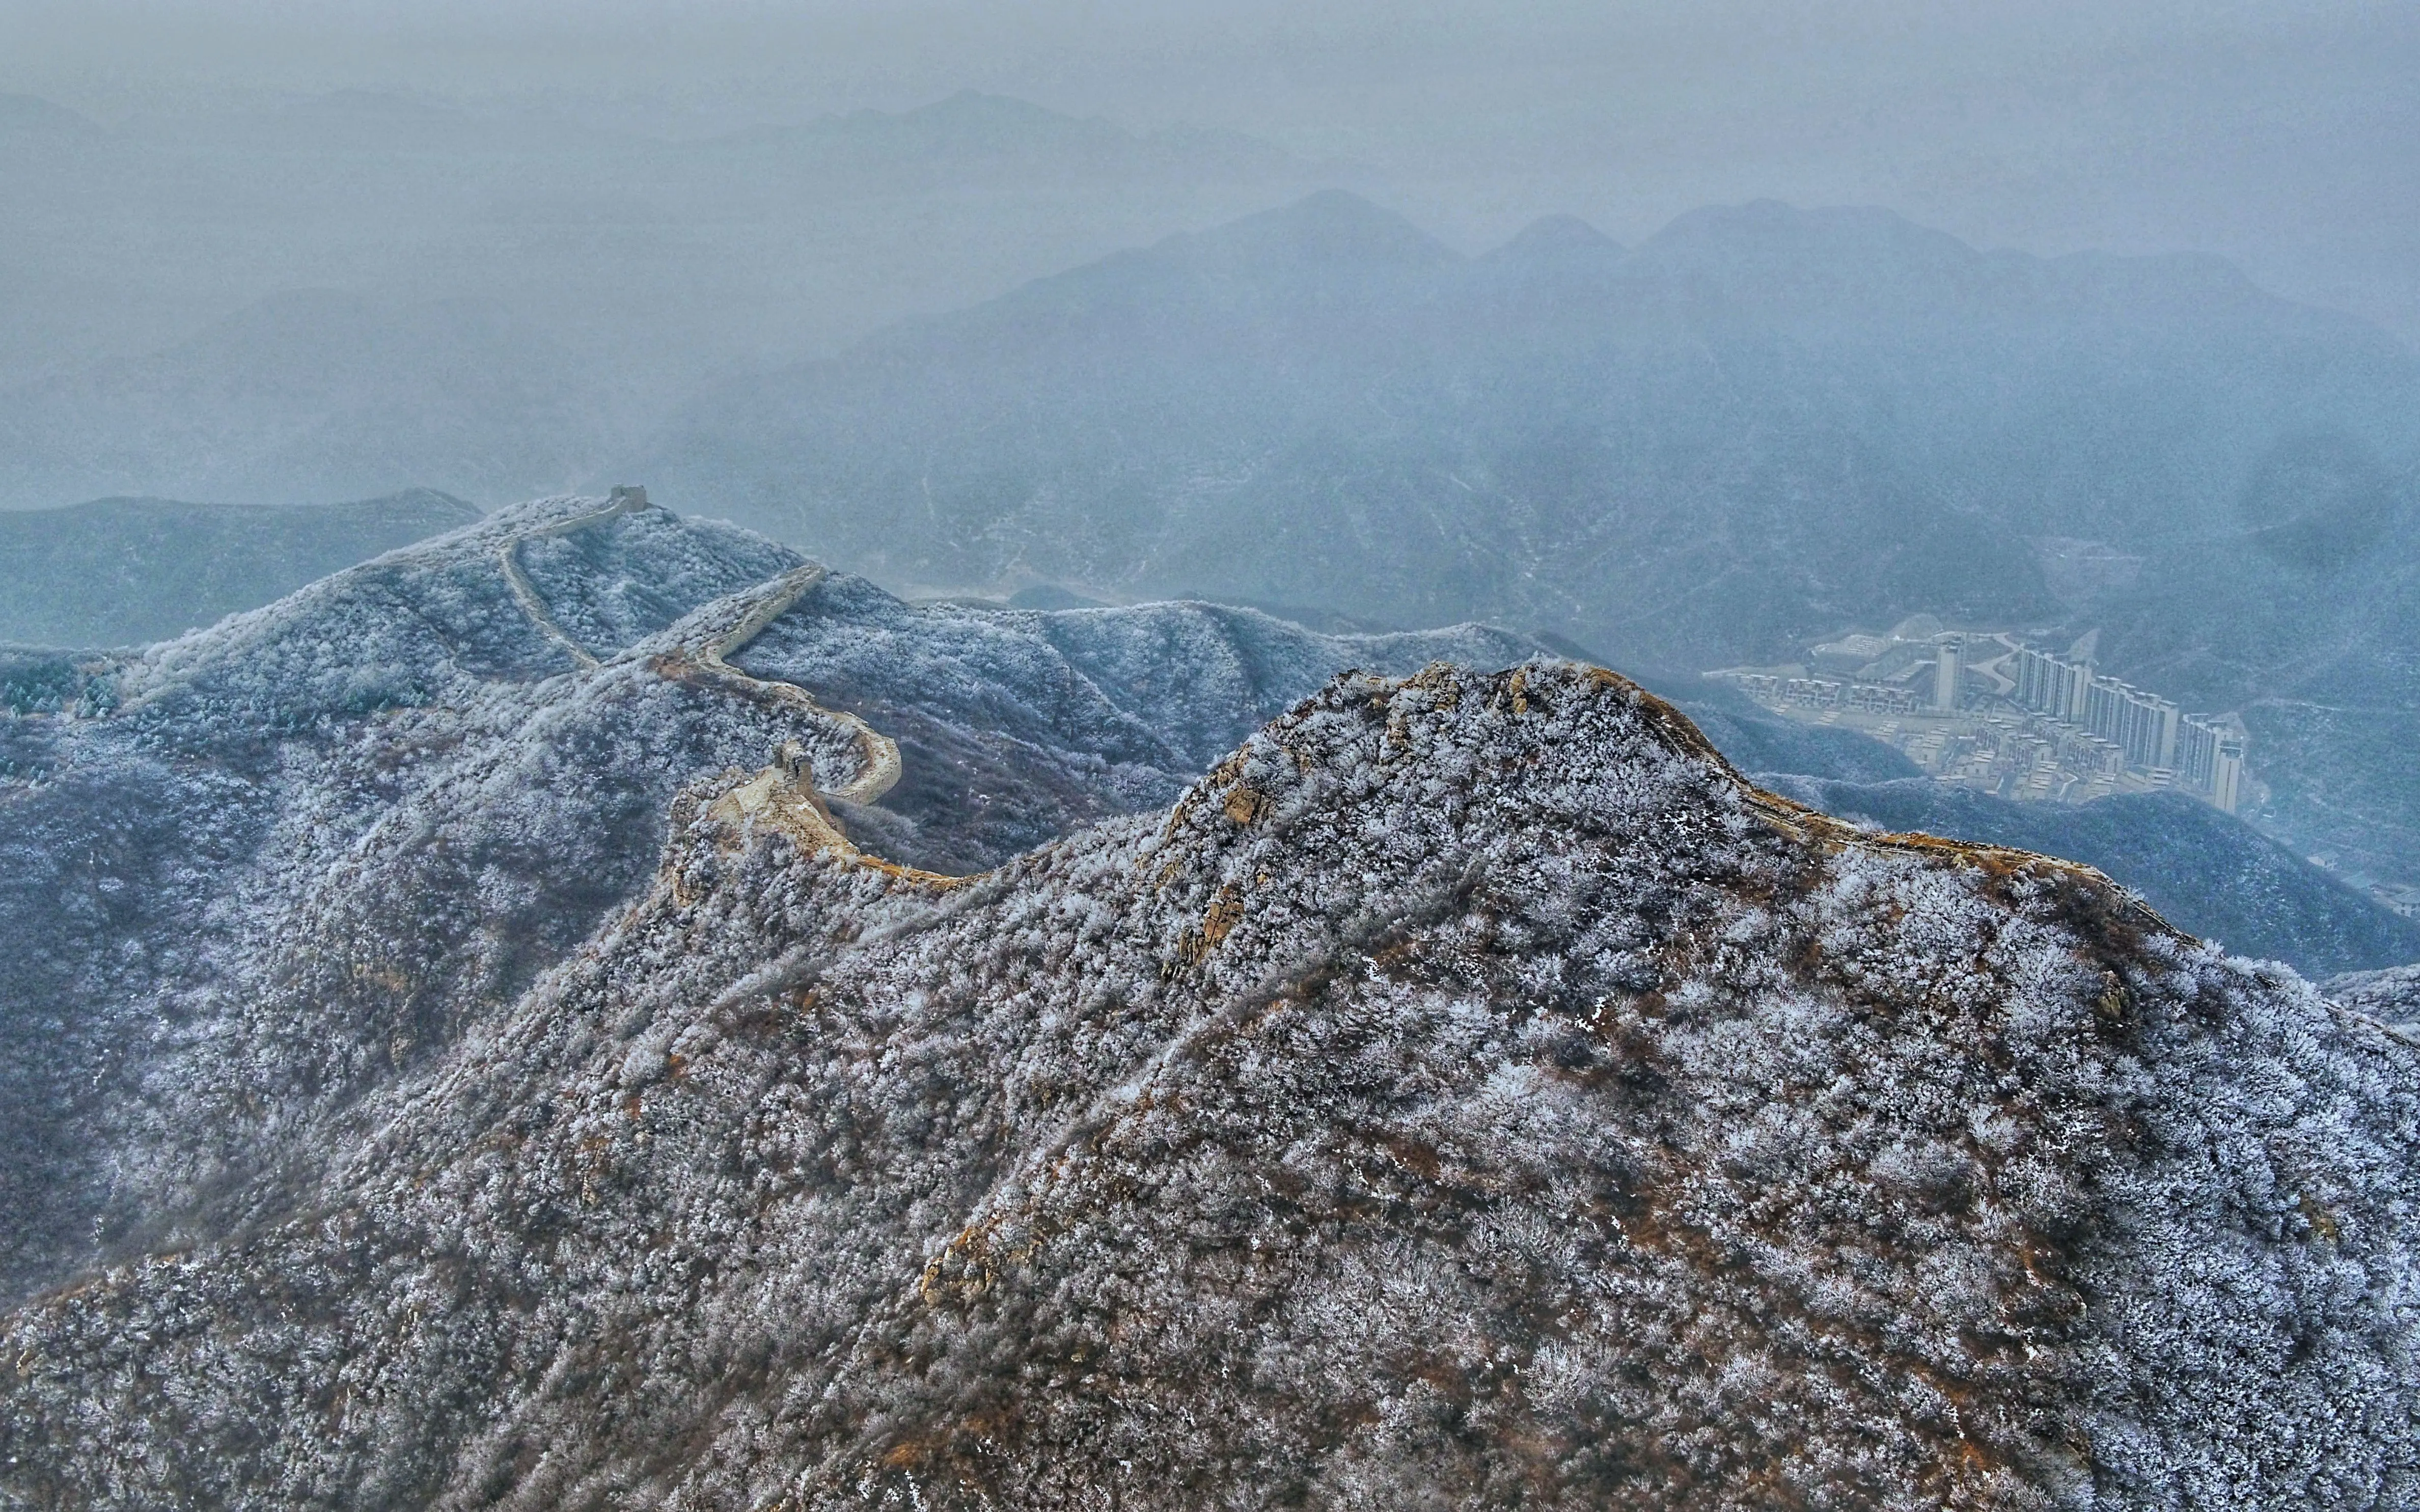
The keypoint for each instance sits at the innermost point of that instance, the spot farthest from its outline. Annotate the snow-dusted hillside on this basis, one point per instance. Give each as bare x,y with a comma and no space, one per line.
250,875
1470,1094
2392,996
465,1053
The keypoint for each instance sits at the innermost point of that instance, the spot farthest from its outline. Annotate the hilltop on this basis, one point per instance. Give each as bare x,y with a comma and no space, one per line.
253,873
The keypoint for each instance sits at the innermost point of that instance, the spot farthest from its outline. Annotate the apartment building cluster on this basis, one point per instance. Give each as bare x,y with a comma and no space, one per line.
2150,734
1988,709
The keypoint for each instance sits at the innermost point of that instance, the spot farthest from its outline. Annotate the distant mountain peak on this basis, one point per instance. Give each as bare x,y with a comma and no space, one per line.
981,102
1554,261
973,109
32,116
1775,218
1556,236
1330,226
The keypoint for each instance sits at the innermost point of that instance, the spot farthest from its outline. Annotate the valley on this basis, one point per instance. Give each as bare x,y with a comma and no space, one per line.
1232,826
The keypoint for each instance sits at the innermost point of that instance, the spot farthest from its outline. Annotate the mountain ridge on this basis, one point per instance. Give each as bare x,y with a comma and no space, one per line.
595,1007
247,810
1166,297
1756,426
827,1310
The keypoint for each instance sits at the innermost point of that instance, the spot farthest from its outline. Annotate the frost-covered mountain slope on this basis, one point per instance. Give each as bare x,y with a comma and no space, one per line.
1471,1093
250,875
2205,871
1017,724
2392,995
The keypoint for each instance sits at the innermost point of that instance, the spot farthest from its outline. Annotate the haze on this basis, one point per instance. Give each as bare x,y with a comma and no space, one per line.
1691,338
2276,135
1652,755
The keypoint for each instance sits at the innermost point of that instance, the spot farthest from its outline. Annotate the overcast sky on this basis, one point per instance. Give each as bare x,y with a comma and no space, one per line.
2280,135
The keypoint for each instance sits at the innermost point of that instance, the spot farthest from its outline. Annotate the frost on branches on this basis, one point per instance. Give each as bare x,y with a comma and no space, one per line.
1470,1093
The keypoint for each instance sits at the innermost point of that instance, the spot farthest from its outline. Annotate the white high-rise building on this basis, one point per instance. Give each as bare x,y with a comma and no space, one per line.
1948,651
2204,755
2226,778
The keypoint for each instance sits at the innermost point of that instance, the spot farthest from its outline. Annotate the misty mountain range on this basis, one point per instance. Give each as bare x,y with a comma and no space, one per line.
1758,426
121,571
1862,418
568,279
1251,757
125,572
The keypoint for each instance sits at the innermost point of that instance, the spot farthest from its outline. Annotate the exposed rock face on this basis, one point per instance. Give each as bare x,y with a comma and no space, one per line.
1470,1093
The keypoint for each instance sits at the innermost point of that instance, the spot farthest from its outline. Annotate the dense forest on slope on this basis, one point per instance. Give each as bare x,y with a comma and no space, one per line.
251,873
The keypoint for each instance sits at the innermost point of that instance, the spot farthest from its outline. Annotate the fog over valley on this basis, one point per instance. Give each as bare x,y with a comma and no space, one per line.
809,753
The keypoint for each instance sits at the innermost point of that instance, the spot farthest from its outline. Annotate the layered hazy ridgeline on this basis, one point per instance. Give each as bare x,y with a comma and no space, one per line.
777,757
1760,425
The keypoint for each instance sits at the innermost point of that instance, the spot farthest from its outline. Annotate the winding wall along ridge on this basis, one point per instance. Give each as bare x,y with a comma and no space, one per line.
626,501
766,603
880,768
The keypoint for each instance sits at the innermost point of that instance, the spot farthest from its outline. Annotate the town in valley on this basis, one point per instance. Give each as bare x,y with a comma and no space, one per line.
1991,709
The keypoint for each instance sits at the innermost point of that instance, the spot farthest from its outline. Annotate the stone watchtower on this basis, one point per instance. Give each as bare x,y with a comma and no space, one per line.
797,767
